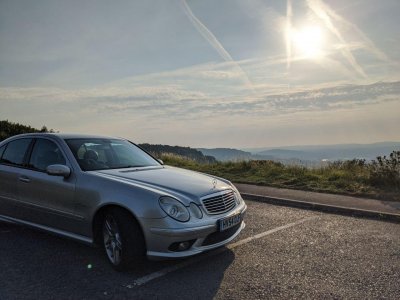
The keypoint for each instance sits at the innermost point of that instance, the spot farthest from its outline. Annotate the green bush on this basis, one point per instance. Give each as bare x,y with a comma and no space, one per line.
385,171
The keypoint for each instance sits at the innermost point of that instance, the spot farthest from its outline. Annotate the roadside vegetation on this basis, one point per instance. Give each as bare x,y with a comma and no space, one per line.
378,179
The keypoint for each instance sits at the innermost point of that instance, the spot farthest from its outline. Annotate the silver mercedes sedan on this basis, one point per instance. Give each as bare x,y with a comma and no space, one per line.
109,192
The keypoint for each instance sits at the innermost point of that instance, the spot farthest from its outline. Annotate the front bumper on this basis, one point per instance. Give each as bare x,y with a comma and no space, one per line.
205,236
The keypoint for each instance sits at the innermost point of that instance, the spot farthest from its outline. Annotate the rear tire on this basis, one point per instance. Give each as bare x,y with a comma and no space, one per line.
122,239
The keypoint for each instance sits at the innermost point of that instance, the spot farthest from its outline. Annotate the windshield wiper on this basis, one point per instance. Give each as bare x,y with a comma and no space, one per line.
129,166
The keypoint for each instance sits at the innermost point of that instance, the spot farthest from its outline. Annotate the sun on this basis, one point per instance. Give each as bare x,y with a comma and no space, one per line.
308,41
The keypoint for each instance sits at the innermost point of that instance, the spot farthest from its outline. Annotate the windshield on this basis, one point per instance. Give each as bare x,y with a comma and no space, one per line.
103,154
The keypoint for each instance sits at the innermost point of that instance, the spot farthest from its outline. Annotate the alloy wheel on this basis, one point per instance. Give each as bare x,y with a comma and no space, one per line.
112,240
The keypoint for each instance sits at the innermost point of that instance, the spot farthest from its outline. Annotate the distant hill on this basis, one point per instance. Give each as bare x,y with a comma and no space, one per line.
330,152
282,153
193,154
306,155
227,154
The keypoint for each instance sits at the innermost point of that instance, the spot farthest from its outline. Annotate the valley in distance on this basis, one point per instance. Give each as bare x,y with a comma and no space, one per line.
307,155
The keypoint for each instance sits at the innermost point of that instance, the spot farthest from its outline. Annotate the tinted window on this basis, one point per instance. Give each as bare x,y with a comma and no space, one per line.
102,154
2,150
45,153
15,152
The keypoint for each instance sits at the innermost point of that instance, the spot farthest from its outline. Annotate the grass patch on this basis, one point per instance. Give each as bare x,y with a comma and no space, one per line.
378,179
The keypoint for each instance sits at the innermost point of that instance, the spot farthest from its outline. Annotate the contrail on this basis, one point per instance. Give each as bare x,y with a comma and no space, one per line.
213,41
289,14
325,13
368,44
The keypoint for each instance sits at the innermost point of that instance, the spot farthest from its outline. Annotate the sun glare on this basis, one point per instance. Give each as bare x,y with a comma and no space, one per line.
308,42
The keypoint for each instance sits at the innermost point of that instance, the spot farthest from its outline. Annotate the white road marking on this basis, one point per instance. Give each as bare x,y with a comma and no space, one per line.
145,279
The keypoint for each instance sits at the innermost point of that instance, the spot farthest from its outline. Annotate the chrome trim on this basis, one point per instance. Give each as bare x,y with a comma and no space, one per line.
219,203
216,194
71,235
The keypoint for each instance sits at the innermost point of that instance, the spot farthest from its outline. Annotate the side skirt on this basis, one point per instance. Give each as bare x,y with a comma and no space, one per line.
74,236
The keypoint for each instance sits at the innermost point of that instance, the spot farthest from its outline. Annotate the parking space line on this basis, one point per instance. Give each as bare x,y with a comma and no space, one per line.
262,234
145,279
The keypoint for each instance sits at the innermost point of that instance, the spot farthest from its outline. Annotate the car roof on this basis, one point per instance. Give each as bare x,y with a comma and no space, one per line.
66,135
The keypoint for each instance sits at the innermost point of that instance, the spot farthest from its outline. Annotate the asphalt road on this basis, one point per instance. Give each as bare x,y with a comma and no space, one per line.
283,253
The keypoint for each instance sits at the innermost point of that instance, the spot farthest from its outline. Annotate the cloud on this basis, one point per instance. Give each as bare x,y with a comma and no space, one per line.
175,102
174,108
333,98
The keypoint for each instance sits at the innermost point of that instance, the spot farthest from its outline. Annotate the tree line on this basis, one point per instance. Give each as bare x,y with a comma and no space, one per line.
8,129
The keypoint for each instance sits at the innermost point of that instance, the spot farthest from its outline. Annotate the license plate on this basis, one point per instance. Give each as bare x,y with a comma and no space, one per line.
229,222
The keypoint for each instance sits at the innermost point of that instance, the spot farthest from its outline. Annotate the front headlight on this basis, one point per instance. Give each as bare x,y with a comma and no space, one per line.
174,209
237,196
195,211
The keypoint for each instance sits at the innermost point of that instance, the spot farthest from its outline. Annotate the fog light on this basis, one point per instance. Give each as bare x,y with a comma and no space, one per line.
181,246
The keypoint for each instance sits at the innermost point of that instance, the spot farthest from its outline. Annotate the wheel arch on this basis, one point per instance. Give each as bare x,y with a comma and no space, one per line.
98,218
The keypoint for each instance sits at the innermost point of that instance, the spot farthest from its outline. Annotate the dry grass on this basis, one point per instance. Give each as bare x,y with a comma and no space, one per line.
355,177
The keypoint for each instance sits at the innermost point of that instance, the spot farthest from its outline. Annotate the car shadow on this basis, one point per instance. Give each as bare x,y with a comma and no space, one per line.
201,279
38,265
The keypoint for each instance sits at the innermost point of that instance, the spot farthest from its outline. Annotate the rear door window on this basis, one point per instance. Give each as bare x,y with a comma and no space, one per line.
15,152
44,154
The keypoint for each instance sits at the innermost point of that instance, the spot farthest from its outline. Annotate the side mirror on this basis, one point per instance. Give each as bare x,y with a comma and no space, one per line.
58,170
160,161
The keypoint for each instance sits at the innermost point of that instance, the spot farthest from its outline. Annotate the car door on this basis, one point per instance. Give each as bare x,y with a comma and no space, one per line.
12,162
49,200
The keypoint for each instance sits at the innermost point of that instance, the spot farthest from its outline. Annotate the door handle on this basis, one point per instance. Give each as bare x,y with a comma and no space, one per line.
24,179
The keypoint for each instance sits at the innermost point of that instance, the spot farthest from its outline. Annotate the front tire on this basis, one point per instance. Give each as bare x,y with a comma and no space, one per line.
123,240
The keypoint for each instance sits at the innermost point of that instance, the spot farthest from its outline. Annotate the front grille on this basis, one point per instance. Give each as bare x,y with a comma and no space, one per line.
219,204
218,237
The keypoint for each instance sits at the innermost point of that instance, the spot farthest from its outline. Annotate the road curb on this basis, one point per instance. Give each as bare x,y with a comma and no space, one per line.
355,212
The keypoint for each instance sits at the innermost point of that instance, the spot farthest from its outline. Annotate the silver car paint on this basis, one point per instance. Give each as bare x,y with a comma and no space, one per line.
67,206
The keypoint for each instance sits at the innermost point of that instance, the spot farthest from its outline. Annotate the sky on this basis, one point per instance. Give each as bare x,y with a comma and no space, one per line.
204,73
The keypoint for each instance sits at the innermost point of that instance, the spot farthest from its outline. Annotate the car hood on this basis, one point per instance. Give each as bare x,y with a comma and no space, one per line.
172,181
